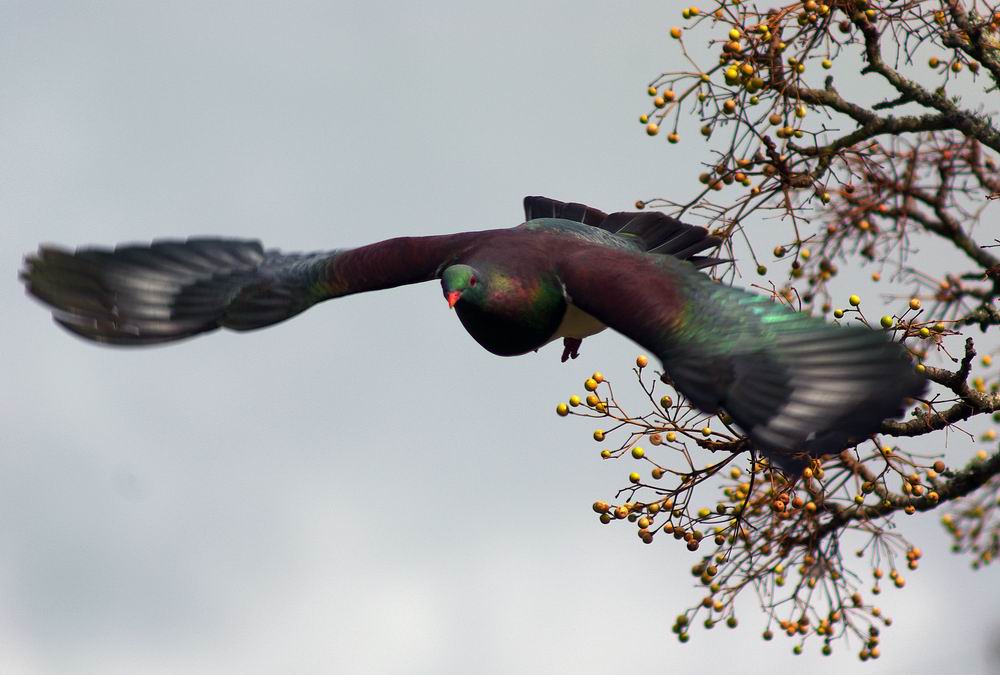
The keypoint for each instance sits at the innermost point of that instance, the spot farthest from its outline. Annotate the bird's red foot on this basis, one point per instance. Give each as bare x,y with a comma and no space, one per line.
571,348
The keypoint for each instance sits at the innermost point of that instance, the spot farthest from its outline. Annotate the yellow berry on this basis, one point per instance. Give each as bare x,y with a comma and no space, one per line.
643,118
562,410
886,321
634,477
590,384
671,436
598,376
652,128
673,137
651,91
827,64
838,313
605,454
642,361
599,435
854,300
638,453
734,34
666,402
706,431
914,303
574,400
675,33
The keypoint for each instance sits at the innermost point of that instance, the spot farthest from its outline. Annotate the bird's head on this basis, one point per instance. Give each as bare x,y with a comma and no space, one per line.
462,282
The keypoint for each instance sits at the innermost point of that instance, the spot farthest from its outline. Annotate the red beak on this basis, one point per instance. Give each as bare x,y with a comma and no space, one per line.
453,297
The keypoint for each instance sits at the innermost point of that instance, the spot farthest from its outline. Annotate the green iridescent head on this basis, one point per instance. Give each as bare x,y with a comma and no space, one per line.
462,282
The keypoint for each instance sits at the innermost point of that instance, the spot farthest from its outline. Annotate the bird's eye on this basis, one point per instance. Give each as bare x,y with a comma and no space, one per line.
473,281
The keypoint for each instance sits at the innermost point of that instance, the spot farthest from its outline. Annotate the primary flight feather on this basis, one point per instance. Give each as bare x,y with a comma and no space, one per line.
795,385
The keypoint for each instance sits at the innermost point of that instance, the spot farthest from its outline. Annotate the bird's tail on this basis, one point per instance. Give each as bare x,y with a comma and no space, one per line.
653,231
170,290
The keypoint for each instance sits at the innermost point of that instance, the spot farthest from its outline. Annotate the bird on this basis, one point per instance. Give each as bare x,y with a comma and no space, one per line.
796,386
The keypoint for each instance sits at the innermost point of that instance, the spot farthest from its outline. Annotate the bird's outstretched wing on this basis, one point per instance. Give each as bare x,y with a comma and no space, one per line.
796,385
169,290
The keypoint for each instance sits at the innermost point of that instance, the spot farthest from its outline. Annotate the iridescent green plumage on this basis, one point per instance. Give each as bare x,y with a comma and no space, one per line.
507,314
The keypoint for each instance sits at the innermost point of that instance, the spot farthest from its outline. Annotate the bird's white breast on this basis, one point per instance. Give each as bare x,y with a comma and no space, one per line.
576,323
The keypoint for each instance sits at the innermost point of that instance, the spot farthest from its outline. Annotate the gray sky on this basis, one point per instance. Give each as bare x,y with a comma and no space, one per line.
363,489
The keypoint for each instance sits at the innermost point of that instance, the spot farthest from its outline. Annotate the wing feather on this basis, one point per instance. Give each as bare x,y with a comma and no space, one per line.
796,385
169,290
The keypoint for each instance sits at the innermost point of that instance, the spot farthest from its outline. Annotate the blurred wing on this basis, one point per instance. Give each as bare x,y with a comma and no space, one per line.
793,383
170,290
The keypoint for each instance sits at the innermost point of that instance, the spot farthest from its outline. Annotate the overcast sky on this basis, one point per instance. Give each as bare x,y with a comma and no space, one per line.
363,489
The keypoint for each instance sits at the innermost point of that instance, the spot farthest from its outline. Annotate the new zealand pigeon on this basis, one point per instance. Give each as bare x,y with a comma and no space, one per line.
795,385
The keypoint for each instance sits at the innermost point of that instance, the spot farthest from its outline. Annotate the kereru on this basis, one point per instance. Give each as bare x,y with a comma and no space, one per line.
797,386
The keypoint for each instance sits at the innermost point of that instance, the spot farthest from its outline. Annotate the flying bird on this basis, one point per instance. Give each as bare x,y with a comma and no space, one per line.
796,385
